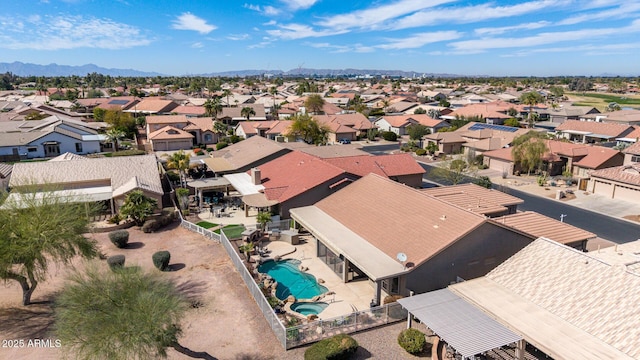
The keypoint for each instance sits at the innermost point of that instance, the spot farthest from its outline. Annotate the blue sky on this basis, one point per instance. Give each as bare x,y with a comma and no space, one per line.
536,37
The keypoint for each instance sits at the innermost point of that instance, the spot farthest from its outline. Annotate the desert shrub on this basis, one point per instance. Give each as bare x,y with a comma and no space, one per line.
337,347
119,238
391,299
149,226
115,219
234,139
389,136
221,145
412,341
209,149
132,152
116,262
161,260
421,152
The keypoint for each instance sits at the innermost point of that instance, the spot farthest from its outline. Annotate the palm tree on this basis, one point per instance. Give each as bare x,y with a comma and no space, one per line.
179,160
263,218
531,98
113,136
212,107
227,93
247,112
122,314
314,103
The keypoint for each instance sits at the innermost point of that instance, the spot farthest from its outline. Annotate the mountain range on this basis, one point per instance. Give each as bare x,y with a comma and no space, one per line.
28,69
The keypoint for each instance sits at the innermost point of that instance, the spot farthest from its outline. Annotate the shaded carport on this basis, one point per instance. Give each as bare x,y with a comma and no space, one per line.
460,324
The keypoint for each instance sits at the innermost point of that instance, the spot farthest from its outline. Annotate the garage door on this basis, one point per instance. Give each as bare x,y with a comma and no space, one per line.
501,165
603,188
626,194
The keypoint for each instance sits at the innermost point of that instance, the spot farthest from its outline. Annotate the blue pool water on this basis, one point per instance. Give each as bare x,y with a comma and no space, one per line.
292,281
306,308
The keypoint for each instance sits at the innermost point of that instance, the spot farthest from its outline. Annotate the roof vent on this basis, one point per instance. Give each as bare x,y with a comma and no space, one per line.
443,217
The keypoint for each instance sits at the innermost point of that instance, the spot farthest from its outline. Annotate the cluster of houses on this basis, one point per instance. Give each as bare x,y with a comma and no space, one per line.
527,277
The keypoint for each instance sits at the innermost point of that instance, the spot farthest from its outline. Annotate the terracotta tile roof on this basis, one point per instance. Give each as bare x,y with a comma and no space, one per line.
280,127
620,116
633,149
236,112
384,165
155,105
486,110
399,121
474,198
628,174
538,225
169,133
189,110
396,218
597,297
166,119
325,152
598,156
597,128
356,121
502,154
446,137
294,173
427,121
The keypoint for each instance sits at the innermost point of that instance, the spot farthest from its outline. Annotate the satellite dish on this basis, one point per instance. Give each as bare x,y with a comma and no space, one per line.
402,257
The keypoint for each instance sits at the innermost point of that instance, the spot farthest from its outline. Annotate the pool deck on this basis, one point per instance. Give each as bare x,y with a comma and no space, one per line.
348,297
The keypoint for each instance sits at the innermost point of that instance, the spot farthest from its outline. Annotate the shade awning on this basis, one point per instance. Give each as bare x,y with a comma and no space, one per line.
17,200
258,200
463,326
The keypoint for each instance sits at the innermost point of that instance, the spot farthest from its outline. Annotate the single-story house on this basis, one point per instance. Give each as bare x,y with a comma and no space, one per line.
153,106
199,129
270,129
478,199
403,240
358,123
623,117
591,131
105,179
447,142
620,182
244,155
233,115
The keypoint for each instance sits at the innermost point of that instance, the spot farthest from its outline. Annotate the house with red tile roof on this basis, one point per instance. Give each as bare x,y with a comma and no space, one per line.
269,129
357,123
399,123
199,129
170,138
153,106
591,131
620,182
398,167
357,233
492,113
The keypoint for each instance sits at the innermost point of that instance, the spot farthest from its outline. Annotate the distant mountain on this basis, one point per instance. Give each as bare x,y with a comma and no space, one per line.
27,69
326,72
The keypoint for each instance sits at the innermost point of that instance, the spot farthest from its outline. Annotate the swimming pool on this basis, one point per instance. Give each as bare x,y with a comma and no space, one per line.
292,281
309,308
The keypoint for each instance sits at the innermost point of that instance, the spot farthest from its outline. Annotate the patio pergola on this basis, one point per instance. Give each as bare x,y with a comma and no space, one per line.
205,184
463,326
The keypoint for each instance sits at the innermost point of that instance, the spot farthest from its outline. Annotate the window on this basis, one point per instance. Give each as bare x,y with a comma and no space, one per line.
207,138
78,147
635,158
32,149
391,286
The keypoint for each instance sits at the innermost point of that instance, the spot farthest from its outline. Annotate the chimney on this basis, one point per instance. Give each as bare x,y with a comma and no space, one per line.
255,176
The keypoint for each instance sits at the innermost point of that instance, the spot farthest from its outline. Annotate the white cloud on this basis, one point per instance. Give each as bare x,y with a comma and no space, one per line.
419,40
504,29
476,13
626,10
266,10
197,45
375,16
299,4
544,38
300,31
237,37
69,32
188,21
582,49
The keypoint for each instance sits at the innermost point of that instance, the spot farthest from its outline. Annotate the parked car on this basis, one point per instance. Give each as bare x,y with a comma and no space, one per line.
344,141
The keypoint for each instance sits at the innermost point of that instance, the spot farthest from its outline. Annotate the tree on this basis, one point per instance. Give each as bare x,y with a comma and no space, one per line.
38,227
419,111
432,147
138,207
219,128
309,129
434,113
227,93
528,150
484,181
453,171
113,136
513,122
417,131
531,98
122,314
98,114
180,161
314,103
263,218
247,112
212,107
120,120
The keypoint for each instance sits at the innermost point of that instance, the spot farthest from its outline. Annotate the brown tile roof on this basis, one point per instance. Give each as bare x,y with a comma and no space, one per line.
399,120
295,173
474,198
355,121
155,105
166,119
189,110
486,110
397,218
597,128
169,133
243,153
446,137
384,165
538,225
325,152
427,121
628,174
236,112
598,156
633,149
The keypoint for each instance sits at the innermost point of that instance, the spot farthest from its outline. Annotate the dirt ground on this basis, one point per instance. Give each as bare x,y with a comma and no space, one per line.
227,323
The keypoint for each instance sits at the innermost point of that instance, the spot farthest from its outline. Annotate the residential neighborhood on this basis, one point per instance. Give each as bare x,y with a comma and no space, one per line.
395,202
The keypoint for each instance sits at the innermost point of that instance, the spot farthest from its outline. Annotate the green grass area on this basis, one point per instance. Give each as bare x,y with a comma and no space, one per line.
207,225
609,98
233,231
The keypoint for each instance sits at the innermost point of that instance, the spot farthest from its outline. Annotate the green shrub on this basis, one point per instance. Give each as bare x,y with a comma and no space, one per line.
132,152
389,136
161,260
115,219
172,176
221,145
421,152
334,348
119,238
116,262
209,149
412,341
149,226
